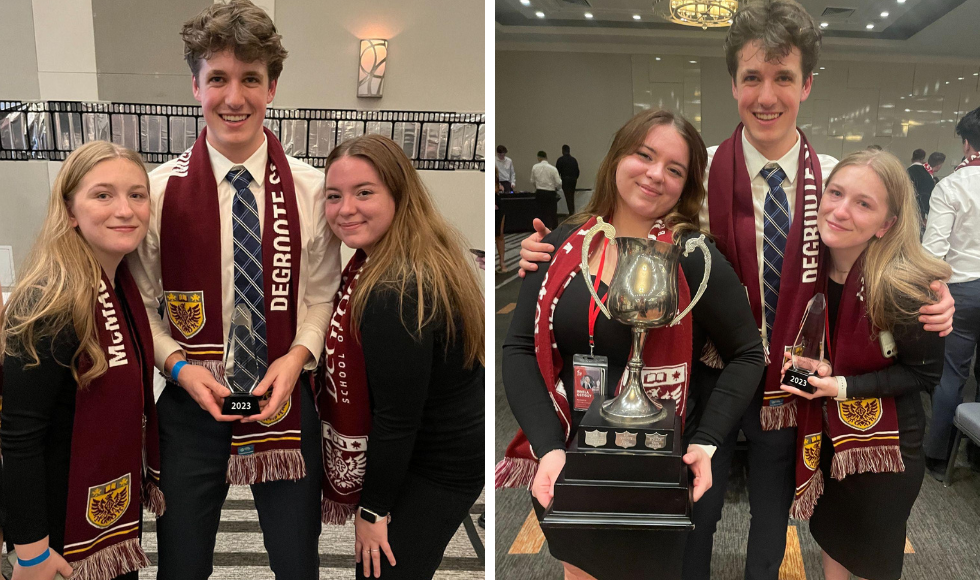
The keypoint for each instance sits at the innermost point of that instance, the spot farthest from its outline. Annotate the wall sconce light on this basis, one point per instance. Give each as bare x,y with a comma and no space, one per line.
371,67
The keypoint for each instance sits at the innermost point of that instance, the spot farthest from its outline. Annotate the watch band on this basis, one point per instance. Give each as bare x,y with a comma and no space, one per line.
841,389
370,516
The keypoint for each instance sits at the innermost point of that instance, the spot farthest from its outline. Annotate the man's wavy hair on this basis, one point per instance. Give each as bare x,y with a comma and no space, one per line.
779,26
239,26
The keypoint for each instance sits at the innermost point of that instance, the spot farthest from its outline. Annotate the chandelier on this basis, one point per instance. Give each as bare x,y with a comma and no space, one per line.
703,13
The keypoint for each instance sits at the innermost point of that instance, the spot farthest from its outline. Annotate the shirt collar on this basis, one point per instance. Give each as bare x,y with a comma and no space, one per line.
755,161
255,164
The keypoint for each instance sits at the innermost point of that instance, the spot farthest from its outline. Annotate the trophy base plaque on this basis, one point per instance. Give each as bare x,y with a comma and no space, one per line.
622,506
798,378
240,404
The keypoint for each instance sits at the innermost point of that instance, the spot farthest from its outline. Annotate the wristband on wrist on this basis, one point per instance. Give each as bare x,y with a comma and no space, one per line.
841,389
175,370
36,560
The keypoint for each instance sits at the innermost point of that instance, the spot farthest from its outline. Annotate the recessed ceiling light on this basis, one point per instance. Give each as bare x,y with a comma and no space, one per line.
588,15
539,14
694,62
658,58
901,1
870,26
526,2
636,17
907,111
975,74
816,74
959,79
824,24
823,67
884,14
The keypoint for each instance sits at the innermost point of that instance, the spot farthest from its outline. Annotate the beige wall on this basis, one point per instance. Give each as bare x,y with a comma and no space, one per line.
549,99
124,51
854,103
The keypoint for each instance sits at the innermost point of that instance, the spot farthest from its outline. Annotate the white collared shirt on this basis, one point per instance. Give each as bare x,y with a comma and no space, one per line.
954,222
505,171
545,176
319,272
754,162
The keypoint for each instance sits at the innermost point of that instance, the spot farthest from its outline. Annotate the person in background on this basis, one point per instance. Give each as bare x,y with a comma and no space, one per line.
935,164
402,406
859,443
567,167
951,234
546,183
505,166
498,229
921,178
78,428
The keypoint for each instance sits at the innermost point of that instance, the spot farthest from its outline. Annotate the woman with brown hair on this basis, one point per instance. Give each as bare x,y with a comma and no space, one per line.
650,184
860,461
79,431
402,403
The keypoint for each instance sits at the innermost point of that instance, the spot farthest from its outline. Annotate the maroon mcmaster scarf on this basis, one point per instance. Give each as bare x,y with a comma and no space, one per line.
864,432
731,217
667,352
190,259
971,161
110,462
344,405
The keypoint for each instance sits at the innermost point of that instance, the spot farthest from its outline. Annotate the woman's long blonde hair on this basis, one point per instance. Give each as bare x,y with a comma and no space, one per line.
897,270
60,278
419,248
684,217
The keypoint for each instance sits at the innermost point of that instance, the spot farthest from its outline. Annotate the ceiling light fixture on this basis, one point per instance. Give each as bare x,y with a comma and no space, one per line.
824,24
870,26
704,13
526,2
884,15
588,15
693,62
901,1
636,17
539,14
959,79
658,58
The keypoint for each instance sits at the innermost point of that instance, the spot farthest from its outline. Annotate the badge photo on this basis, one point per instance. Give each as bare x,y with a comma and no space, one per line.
590,379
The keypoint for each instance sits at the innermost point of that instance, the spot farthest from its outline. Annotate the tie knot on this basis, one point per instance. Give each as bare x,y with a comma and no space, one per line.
239,177
774,175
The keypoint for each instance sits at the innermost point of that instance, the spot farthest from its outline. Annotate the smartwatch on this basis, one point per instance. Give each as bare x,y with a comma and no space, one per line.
372,517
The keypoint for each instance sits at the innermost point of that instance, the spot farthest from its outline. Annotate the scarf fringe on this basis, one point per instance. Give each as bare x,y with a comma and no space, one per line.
878,459
803,505
216,368
112,561
332,512
515,472
780,417
710,356
153,498
272,465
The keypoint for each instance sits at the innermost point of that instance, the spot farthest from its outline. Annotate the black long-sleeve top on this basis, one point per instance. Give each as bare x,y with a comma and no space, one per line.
918,367
427,409
35,433
567,167
715,400
924,184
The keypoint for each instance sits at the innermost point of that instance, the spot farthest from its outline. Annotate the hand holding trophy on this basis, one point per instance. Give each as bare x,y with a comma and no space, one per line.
806,352
243,376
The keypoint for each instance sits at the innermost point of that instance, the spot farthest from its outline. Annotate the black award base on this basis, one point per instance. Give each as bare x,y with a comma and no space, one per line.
622,505
798,378
240,404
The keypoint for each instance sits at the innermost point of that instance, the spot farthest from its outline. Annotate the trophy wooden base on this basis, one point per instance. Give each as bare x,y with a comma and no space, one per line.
622,512
240,404
798,378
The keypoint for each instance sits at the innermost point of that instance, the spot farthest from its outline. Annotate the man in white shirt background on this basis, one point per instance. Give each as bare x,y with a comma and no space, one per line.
505,170
546,182
953,234
196,438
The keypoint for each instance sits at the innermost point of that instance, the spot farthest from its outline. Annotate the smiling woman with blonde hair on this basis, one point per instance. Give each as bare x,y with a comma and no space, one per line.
404,366
76,348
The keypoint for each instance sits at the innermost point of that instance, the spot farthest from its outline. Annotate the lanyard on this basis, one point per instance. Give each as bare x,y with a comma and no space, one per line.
593,307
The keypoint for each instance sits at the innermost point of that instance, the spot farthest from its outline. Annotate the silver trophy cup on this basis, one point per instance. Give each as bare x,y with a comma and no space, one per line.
643,294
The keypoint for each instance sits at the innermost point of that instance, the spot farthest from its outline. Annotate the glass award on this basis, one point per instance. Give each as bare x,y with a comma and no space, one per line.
806,352
243,375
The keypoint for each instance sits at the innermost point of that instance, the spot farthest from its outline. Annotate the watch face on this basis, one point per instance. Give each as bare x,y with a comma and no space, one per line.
369,516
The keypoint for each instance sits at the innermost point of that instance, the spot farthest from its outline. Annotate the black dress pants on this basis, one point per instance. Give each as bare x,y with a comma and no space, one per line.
424,519
771,484
568,188
194,451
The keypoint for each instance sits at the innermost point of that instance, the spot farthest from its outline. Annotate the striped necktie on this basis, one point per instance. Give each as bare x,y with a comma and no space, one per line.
776,227
247,238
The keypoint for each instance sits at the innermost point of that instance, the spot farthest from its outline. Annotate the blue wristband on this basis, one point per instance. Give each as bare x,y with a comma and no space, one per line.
36,560
176,369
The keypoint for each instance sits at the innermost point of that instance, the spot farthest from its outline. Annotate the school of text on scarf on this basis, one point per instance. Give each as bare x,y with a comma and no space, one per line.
190,260
864,432
669,346
344,405
731,216
113,470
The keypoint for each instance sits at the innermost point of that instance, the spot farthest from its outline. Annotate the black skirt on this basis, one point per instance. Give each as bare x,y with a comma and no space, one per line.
860,521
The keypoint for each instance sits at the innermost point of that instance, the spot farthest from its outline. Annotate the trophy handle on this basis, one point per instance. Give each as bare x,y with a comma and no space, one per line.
610,232
689,247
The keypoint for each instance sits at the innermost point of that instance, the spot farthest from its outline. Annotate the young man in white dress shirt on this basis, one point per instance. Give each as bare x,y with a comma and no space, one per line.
238,182
769,82
951,234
